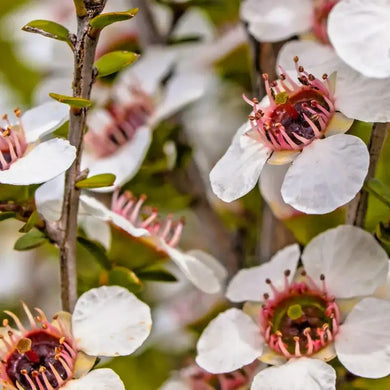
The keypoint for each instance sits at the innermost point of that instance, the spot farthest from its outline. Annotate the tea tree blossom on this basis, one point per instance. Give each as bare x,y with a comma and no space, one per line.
305,316
107,321
300,125
200,268
364,42
23,158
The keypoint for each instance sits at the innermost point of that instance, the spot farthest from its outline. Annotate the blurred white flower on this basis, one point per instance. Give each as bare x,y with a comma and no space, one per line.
364,41
304,318
107,321
23,159
300,125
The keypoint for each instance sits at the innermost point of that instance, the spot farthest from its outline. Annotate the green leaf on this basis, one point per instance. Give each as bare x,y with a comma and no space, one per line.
121,276
97,250
49,29
158,275
114,62
30,240
379,190
71,101
31,222
7,215
104,20
97,181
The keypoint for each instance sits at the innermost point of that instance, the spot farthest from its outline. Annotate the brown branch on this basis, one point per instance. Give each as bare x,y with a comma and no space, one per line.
357,209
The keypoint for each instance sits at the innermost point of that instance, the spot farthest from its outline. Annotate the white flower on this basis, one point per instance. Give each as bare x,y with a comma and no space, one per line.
120,134
363,42
200,268
306,319
300,126
23,159
107,321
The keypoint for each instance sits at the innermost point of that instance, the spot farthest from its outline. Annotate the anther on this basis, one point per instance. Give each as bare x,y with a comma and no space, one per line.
266,296
17,112
324,76
265,76
287,272
301,68
255,100
296,59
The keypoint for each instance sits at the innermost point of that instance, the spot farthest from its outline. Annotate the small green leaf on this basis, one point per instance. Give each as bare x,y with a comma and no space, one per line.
7,215
71,101
157,275
49,29
383,233
104,20
97,250
379,190
114,62
30,240
97,181
31,222
121,276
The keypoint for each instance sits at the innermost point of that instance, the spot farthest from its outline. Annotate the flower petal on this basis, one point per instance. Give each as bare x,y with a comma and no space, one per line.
44,162
175,384
272,22
367,31
110,321
250,284
351,260
363,341
197,272
300,374
183,89
124,164
271,180
339,124
327,174
237,172
48,198
230,341
44,119
101,379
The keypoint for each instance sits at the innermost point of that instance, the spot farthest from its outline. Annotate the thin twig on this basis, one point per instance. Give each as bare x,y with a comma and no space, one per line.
357,209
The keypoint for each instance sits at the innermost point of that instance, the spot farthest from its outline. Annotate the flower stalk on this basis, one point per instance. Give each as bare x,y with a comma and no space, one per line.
357,209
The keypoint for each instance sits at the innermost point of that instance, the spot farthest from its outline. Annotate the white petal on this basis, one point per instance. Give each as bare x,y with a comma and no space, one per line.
44,162
383,290
59,84
363,341
271,180
183,89
339,124
101,379
110,321
230,341
237,172
301,374
249,284
352,261
125,163
97,209
96,230
44,119
367,31
175,384
48,198
197,272
271,21
327,174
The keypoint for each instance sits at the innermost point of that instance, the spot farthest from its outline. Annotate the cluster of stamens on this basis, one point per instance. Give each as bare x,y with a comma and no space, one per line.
301,319
12,141
125,120
40,358
322,9
298,113
131,208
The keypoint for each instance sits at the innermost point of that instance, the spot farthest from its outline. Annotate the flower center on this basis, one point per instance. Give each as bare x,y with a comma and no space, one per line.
322,9
298,113
120,124
300,320
13,143
42,358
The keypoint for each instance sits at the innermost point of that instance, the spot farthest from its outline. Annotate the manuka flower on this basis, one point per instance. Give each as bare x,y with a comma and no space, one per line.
23,159
120,133
200,268
107,321
364,42
306,316
300,125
